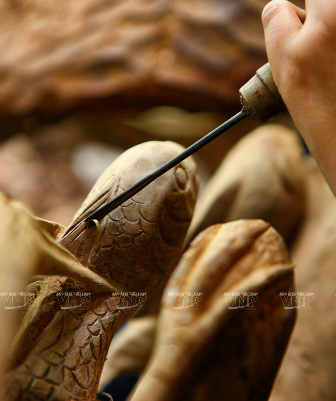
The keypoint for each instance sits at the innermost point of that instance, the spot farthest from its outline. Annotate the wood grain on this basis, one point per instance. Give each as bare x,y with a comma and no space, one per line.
210,351
133,249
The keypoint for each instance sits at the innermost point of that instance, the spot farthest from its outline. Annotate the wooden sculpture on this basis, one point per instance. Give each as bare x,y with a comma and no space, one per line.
208,351
59,352
309,366
262,177
28,248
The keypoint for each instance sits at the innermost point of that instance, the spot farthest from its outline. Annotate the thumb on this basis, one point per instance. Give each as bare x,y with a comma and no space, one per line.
282,21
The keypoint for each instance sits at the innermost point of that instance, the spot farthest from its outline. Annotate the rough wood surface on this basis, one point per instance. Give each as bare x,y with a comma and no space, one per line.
57,54
211,352
309,366
262,177
133,249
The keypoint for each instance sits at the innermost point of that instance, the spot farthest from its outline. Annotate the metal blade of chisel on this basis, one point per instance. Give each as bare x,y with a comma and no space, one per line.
118,200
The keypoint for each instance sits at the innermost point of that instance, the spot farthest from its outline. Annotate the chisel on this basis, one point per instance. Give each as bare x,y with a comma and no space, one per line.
260,100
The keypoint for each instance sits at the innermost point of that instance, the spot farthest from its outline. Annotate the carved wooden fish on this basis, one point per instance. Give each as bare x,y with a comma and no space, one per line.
134,249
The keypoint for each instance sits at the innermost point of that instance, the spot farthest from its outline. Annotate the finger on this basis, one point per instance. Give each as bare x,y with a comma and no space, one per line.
282,21
300,13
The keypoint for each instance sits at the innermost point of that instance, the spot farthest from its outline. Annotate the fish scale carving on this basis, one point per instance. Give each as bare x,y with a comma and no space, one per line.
64,360
64,366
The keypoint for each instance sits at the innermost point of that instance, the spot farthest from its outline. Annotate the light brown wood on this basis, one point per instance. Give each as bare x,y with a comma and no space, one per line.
59,353
308,370
29,248
212,352
262,177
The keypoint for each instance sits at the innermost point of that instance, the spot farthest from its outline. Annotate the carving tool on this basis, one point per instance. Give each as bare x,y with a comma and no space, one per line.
260,100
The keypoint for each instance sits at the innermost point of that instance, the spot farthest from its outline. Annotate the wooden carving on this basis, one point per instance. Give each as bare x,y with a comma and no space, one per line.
211,351
262,177
308,370
59,351
208,351
28,248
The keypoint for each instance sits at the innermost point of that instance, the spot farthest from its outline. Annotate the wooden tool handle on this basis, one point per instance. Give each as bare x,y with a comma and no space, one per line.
260,97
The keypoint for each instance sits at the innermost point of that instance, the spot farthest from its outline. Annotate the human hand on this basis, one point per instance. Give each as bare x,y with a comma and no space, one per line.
301,50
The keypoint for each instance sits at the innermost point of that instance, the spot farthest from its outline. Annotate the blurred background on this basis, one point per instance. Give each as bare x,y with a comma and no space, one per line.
80,82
